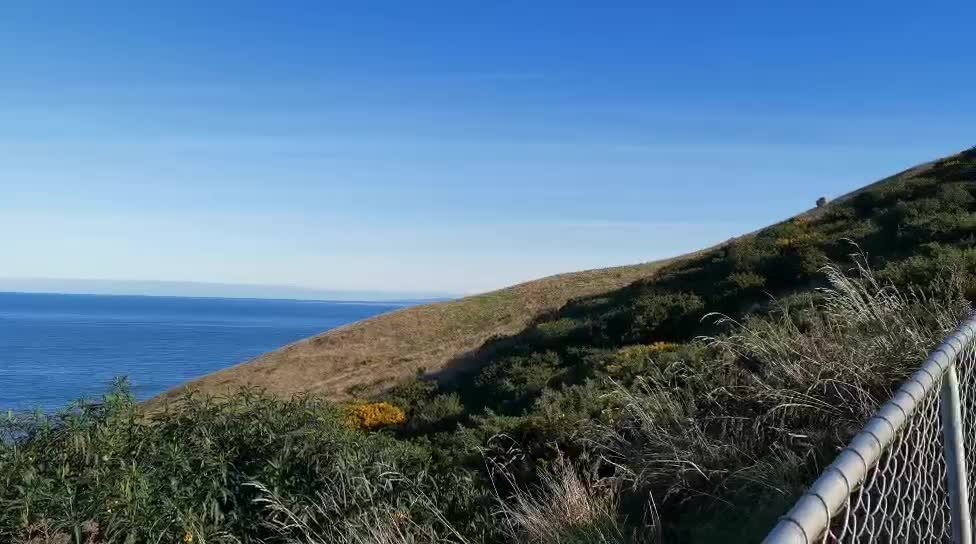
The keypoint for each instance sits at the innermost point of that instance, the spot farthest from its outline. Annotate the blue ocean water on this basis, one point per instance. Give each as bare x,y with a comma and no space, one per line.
57,348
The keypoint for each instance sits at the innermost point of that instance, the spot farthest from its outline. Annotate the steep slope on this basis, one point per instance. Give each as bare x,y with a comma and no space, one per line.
366,356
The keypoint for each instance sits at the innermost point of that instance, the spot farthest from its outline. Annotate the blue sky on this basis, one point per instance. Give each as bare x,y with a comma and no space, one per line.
448,146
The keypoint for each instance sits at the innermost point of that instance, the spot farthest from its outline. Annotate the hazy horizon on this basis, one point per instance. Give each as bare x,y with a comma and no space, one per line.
172,288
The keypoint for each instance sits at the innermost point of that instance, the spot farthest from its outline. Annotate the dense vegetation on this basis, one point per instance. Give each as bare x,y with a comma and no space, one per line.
636,416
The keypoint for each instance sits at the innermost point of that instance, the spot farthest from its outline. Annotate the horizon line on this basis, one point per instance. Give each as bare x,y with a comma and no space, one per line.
207,289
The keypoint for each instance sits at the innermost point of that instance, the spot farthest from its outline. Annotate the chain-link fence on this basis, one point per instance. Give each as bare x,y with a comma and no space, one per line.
904,478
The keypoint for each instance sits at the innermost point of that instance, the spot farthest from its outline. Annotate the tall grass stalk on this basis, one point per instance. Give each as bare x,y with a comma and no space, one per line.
564,508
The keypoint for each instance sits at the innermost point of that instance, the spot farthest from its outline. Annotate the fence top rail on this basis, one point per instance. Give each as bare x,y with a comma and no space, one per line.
812,513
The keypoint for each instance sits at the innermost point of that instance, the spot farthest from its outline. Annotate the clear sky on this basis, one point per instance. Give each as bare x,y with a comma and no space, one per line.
449,146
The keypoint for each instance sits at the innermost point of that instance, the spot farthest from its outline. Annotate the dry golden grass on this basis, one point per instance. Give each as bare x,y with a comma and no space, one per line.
373,354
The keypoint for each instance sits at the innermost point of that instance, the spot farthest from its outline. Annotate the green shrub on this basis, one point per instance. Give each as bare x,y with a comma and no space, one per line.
663,315
439,413
511,383
743,284
181,472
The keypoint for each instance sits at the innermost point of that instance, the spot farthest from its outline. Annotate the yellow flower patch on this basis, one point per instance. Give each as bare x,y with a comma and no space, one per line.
795,241
657,347
368,416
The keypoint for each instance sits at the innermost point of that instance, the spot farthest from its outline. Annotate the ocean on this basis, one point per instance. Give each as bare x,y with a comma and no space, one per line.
57,348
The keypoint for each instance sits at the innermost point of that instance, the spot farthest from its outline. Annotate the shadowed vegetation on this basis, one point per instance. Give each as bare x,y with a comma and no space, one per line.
372,355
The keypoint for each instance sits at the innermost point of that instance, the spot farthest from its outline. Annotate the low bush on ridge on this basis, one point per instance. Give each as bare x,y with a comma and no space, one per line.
161,477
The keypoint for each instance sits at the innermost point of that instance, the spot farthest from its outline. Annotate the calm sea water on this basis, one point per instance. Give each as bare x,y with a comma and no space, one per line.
56,348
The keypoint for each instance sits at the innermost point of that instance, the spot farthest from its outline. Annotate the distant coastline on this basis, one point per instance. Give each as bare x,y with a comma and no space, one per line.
192,289
376,302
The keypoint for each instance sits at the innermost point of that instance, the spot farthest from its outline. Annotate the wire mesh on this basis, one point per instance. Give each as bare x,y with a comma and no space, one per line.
898,488
903,498
966,366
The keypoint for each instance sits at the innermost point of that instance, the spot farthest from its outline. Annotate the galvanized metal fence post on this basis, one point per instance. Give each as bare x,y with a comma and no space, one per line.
955,457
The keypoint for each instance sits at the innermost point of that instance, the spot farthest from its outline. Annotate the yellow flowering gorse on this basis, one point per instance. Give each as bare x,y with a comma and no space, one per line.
373,415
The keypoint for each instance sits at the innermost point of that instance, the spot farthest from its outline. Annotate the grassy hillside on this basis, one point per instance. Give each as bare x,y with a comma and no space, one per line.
376,353
434,339
630,414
